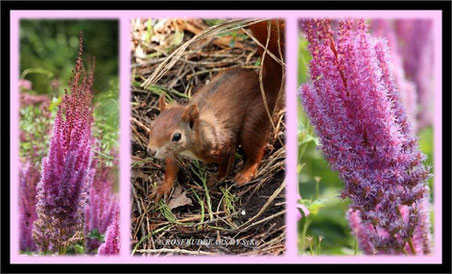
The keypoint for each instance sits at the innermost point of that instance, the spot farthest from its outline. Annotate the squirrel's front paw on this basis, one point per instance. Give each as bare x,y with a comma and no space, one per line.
244,177
159,192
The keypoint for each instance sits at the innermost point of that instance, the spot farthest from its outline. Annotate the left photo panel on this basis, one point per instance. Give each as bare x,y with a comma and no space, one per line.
69,128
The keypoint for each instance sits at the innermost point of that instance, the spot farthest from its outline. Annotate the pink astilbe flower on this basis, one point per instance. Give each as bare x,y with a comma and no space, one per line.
102,206
25,84
302,207
29,177
415,37
43,101
111,243
422,238
407,88
66,170
361,231
355,107
32,99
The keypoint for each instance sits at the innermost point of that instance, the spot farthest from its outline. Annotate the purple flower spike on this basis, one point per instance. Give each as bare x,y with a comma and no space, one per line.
102,206
111,244
415,37
407,88
66,170
356,109
362,232
29,177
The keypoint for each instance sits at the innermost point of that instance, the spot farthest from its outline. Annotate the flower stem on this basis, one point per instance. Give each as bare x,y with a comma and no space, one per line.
404,251
411,244
311,249
303,234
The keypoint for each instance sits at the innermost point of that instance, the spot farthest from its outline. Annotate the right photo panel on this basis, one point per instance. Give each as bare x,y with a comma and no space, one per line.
365,136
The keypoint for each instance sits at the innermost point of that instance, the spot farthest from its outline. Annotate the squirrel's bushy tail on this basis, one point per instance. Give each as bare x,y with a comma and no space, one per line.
272,70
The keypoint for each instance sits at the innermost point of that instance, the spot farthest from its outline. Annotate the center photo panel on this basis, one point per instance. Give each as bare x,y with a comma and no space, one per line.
208,137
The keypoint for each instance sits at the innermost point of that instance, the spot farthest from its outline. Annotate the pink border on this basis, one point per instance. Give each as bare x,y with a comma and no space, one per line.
291,242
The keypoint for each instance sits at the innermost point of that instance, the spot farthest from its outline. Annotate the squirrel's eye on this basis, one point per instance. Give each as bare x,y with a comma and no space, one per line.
176,137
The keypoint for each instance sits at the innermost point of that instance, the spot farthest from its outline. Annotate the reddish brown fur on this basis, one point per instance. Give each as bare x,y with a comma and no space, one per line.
227,112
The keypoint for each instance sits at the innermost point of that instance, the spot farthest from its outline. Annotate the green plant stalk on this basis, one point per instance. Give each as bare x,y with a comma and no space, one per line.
147,237
301,151
202,175
159,90
217,227
209,205
109,157
319,245
303,234
167,213
311,249
201,203
404,251
317,189
49,74
229,200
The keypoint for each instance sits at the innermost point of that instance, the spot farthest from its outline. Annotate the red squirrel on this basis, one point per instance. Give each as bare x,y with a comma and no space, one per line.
227,112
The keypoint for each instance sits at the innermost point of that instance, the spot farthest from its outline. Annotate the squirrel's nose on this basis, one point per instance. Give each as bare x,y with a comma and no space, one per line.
150,151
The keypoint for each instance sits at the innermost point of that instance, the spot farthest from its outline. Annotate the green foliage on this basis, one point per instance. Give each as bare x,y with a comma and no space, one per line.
426,144
106,122
229,199
235,35
49,48
76,248
214,22
167,213
96,235
34,127
304,57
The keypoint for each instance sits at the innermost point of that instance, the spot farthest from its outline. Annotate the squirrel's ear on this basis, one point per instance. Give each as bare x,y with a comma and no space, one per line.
162,102
191,115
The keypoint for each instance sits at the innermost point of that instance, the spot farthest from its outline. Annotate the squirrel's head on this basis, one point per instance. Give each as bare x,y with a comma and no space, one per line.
173,131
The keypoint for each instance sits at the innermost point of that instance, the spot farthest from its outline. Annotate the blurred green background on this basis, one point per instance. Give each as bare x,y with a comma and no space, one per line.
326,230
48,52
49,49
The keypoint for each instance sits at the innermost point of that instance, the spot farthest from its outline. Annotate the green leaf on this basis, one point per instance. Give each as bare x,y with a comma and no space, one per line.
316,206
258,62
95,235
300,167
79,248
306,138
56,101
232,43
178,38
150,30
